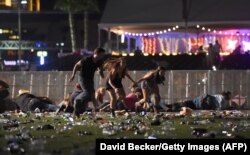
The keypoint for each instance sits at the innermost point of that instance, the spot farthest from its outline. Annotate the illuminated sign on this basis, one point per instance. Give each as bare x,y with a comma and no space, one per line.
14,63
42,54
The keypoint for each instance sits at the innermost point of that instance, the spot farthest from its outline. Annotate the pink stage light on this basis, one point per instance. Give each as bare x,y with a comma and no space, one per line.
154,45
246,45
231,44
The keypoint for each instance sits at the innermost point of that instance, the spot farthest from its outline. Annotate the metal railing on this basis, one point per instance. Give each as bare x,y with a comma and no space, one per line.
179,85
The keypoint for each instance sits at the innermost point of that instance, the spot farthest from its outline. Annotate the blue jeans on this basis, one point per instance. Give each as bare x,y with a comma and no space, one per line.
51,107
42,105
73,96
85,96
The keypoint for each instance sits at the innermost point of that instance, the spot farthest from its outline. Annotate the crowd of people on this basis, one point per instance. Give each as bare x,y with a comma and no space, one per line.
144,95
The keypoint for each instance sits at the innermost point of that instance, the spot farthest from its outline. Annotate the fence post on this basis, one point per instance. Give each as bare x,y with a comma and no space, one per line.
48,85
187,85
232,84
240,93
31,83
13,86
171,87
197,84
248,90
205,81
223,81
134,75
65,84
209,82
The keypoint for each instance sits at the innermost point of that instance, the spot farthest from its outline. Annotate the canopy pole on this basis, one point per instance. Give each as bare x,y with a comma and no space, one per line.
117,42
128,44
109,40
99,36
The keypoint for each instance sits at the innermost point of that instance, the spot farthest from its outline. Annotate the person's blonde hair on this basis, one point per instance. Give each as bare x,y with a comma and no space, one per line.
112,63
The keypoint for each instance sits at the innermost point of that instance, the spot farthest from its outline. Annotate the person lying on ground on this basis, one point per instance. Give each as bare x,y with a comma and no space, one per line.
130,100
205,102
30,102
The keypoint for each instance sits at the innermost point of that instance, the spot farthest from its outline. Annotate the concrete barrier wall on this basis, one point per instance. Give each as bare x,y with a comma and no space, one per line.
179,85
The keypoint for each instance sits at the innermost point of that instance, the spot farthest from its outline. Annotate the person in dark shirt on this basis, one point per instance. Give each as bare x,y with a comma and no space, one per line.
87,67
29,102
138,51
6,104
23,99
4,93
3,90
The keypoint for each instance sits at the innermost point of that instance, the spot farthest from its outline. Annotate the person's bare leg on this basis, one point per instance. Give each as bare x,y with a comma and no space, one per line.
120,97
144,100
156,97
94,104
113,101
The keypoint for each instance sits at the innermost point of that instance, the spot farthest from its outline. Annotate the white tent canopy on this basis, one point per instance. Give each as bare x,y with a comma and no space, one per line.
141,16
150,15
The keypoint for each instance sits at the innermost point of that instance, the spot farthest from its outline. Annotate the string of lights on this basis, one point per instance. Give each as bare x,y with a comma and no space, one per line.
152,33
162,42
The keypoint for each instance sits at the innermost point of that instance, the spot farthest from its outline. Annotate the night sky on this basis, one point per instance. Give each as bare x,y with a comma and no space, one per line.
47,13
48,5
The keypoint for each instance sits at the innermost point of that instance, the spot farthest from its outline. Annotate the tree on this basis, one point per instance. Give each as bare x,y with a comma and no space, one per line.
69,6
86,6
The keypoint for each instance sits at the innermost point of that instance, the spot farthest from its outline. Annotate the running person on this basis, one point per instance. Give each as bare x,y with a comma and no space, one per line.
117,70
87,67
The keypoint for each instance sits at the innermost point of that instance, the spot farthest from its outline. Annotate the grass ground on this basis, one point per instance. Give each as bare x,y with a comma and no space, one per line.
59,134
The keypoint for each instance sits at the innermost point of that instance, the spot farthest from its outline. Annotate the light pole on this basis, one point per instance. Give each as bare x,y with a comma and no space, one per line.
19,33
197,37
